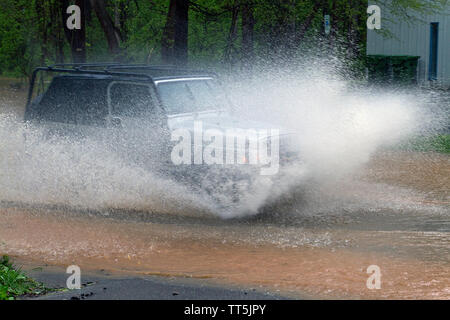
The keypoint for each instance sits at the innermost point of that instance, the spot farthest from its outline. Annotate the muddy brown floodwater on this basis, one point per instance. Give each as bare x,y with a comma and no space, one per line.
394,213
323,256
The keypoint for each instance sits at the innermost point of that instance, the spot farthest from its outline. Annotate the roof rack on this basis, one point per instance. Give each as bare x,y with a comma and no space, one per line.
86,66
155,68
107,66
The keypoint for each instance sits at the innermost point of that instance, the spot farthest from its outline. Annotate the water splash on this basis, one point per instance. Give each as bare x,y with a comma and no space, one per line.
338,126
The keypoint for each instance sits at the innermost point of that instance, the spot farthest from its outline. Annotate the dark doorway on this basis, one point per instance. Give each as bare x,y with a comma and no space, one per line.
434,38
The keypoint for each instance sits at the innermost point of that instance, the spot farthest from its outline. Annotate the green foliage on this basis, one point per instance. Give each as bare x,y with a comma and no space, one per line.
404,69
409,9
435,143
17,46
31,31
144,30
208,33
14,283
438,143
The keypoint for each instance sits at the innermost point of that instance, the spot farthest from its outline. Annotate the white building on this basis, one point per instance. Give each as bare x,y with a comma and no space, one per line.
428,37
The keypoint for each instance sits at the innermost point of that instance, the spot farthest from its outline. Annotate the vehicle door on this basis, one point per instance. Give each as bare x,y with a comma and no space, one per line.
137,123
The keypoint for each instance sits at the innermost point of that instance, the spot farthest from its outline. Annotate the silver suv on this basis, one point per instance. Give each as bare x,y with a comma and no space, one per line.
135,109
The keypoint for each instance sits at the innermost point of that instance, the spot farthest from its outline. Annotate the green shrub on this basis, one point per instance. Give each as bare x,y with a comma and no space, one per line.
404,69
14,283
378,68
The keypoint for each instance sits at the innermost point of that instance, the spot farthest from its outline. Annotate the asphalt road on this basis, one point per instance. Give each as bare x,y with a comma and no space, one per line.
107,287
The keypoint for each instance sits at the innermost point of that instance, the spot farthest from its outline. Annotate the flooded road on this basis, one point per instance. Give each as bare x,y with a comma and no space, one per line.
317,240
403,230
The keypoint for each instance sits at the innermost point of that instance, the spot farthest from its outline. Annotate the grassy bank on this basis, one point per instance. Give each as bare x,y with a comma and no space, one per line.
14,282
438,143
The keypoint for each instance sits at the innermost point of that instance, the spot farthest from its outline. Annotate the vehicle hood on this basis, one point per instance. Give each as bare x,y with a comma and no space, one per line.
219,120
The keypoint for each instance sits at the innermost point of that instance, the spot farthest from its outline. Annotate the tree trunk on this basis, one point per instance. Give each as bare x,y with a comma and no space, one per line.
333,37
123,16
228,57
76,37
290,43
354,38
181,32
112,34
57,34
40,10
248,23
168,35
174,44
302,29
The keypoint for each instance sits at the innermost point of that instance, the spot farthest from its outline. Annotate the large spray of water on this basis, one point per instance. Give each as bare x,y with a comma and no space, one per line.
337,125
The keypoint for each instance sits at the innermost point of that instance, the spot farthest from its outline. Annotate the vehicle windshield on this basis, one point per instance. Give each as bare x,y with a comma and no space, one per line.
184,96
